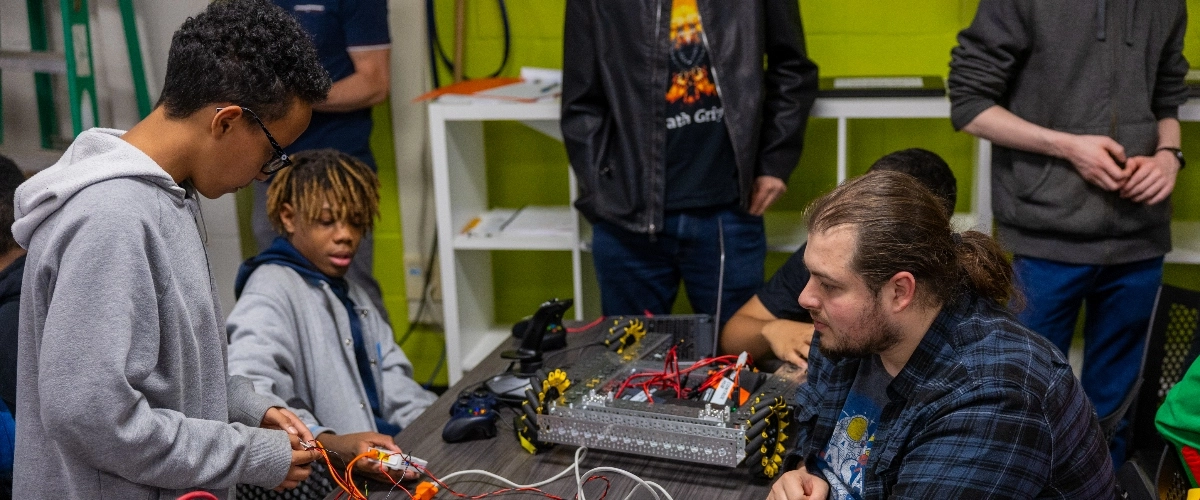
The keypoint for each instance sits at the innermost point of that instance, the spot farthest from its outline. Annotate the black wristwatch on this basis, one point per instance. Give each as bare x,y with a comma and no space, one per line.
1178,155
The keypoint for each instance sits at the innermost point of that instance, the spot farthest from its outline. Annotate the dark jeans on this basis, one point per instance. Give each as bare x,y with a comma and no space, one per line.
1119,299
640,273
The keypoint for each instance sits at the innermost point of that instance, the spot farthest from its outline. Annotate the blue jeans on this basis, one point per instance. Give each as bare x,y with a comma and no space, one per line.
640,273
1119,299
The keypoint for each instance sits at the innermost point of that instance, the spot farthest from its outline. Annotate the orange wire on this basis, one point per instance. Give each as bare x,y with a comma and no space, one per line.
332,470
356,493
345,483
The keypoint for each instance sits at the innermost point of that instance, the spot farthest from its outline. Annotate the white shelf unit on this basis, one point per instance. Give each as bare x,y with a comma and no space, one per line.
460,196
1185,235
785,230
460,190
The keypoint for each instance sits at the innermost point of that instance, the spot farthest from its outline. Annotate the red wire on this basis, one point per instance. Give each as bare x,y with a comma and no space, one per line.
585,327
607,483
396,484
198,495
672,377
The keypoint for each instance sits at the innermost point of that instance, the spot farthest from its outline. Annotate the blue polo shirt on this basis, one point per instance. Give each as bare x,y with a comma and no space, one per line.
339,27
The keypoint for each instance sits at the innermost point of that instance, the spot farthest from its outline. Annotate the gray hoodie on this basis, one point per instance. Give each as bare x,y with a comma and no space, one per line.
122,389
292,338
1104,67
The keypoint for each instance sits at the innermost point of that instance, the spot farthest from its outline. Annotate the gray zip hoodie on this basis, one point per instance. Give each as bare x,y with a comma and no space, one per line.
122,389
1105,67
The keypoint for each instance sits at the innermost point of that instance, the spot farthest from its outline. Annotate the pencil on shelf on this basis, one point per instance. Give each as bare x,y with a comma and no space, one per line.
470,225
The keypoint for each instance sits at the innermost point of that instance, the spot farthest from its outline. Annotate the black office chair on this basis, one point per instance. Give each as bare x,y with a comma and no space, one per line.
1153,469
1172,479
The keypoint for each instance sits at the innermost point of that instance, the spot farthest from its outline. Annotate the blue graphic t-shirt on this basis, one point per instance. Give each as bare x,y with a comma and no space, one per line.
845,458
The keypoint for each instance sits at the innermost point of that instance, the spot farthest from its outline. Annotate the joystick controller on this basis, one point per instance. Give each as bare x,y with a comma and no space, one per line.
545,330
472,417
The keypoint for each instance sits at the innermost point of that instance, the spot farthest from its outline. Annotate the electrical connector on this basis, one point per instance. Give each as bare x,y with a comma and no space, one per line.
425,491
397,461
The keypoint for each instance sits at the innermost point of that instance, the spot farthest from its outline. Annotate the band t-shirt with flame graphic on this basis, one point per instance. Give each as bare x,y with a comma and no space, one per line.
845,458
700,168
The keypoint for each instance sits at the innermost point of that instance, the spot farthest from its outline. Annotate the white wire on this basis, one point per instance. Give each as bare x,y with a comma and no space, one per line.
579,454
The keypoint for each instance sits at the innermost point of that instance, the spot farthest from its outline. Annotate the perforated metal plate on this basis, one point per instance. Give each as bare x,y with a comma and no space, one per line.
645,436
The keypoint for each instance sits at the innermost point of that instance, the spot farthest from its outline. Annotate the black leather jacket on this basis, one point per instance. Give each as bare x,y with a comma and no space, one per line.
614,83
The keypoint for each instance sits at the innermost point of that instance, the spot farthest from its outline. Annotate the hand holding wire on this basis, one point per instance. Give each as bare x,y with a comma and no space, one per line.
284,420
299,470
362,444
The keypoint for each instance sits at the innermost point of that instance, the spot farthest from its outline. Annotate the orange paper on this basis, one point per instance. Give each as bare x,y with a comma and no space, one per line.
468,87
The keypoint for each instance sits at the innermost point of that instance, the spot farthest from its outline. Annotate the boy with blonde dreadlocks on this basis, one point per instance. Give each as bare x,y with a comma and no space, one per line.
306,336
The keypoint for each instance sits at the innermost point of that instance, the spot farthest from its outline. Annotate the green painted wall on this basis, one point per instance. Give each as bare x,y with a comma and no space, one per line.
845,37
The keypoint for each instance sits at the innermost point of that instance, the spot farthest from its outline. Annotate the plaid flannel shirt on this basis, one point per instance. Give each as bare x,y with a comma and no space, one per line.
985,408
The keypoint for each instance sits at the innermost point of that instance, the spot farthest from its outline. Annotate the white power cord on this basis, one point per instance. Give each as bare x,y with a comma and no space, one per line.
655,489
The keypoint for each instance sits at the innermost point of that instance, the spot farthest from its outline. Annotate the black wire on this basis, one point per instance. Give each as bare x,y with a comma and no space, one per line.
507,38
435,43
428,280
546,359
441,361
431,35
416,318
507,421
436,51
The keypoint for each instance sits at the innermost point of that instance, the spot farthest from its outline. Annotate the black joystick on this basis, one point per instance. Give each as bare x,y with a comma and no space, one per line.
545,331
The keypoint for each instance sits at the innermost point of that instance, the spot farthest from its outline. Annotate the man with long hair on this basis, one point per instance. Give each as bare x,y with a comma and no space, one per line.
921,384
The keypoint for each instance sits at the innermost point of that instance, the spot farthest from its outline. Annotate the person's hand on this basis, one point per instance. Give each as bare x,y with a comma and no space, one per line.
799,485
284,420
1151,178
299,469
767,189
789,340
1097,158
348,446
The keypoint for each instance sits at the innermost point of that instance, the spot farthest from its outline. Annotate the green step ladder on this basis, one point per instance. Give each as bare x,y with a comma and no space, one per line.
75,63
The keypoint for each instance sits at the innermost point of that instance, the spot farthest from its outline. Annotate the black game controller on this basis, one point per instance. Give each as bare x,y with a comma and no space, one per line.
472,417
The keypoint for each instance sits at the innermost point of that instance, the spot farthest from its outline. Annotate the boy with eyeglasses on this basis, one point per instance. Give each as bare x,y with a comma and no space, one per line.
122,388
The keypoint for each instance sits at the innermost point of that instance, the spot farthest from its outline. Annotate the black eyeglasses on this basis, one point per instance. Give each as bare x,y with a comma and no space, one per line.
279,160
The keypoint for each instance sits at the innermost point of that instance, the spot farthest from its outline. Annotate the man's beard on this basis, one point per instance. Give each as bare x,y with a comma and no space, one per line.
883,335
